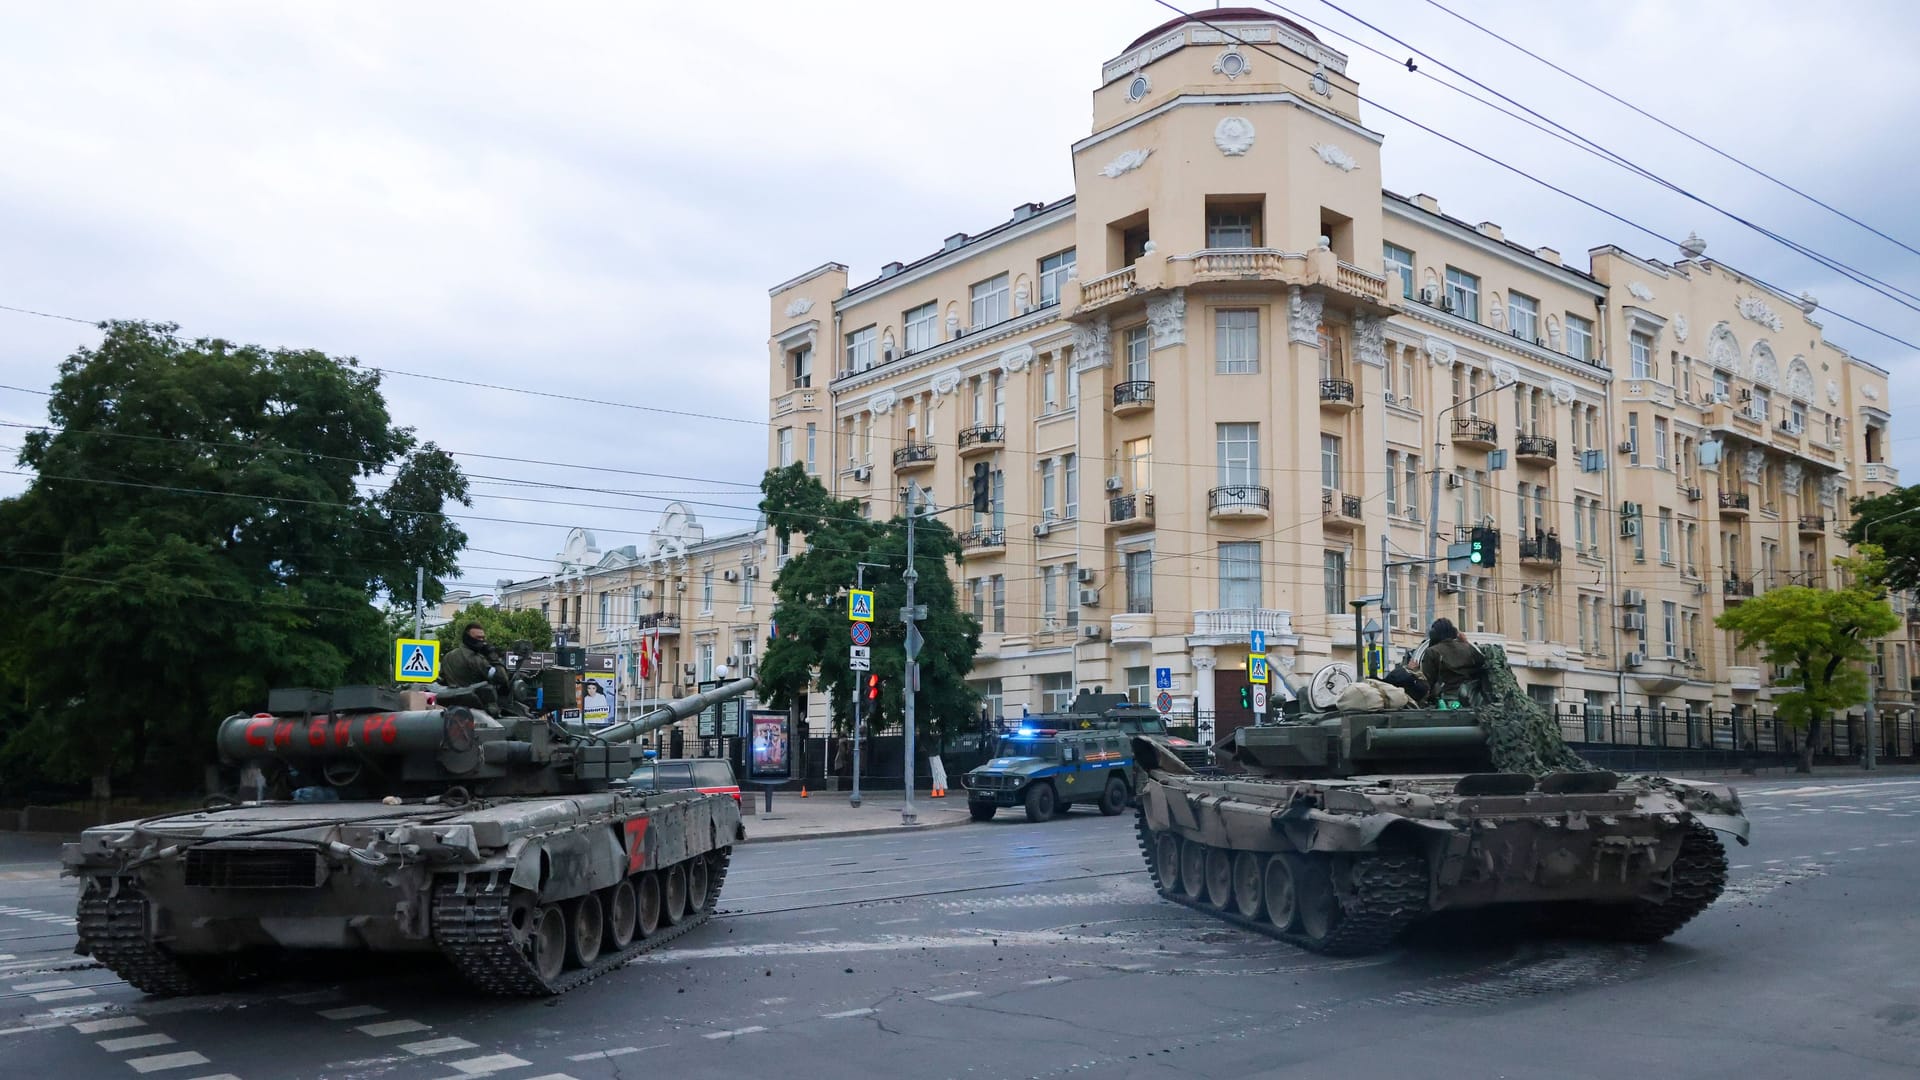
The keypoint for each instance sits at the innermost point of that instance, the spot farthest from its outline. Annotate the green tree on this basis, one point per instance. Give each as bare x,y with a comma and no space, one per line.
1823,636
810,608
503,627
206,521
1892,522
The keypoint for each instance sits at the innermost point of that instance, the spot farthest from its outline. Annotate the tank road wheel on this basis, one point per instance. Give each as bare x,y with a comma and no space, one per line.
981,811
1247,872
1193,869
697,884
647,903
1282,894
1114,799
1319,906
623,910
1219,877
675,895
1166,860
547,942
1040,800
586,926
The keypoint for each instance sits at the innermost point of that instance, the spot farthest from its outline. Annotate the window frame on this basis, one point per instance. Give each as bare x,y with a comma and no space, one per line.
1388,249
1464,290
1228,338
915,320
997,298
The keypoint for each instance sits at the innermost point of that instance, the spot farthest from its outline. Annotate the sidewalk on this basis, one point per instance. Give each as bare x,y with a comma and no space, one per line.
826,813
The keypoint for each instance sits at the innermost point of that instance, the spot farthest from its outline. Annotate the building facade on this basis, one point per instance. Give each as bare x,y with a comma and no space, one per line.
701,604
1230,384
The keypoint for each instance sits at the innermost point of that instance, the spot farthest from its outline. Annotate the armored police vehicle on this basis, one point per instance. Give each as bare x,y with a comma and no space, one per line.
1047,771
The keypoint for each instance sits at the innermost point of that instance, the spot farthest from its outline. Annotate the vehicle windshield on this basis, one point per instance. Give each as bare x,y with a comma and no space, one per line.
641,777
1027,746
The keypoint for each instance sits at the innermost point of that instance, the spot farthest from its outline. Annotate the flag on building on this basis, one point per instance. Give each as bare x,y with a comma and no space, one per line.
646,658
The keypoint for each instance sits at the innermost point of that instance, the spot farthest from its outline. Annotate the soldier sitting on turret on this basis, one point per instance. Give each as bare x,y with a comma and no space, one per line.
1407,677
476,662
1453,668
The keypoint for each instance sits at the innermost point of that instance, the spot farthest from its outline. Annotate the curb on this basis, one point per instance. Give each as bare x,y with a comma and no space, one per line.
873,830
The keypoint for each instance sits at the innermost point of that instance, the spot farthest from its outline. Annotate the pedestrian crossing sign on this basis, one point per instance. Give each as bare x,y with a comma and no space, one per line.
415,660
860,605
1257,669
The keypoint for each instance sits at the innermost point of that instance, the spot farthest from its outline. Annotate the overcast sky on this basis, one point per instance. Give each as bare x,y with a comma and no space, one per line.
594,198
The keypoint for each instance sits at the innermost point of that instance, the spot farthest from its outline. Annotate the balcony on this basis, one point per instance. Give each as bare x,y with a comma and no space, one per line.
1736,590
1339,511
1540,550
794,401
660,622
1234,624
980,440
1537,448
1879,472
1743,679
1789,431
1337,395
1812,526
1107,288
1132,397
1345,283
1133,511
983,541
1735,504
1474,432
913,456
1241,501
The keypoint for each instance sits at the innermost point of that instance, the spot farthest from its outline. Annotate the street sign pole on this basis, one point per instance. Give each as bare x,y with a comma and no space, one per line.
859,582
909,615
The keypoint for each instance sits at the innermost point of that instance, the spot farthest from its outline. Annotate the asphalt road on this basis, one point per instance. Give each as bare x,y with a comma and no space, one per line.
1017,950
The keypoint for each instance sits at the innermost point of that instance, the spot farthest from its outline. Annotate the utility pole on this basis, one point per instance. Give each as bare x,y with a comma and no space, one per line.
859,699
911,616
419,598
1433,500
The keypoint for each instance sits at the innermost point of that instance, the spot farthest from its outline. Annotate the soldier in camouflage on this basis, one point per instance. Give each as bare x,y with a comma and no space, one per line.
1453,669
475,661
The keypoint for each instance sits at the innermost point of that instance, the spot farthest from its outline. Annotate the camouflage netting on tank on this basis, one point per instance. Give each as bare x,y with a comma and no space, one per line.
1523,737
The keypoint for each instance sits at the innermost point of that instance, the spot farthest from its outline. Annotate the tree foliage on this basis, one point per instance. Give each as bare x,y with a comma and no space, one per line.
810,608
503,628
197,531
1823,636
1898,537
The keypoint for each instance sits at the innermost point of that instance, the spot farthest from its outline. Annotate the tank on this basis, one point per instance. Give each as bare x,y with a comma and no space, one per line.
1342,829
509,844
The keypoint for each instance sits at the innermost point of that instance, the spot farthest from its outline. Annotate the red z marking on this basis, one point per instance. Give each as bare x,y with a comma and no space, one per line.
636,843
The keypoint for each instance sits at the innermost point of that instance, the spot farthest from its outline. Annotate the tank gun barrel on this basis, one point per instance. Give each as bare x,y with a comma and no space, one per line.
675,710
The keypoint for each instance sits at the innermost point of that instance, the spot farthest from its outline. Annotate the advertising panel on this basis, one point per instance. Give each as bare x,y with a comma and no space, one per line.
770,757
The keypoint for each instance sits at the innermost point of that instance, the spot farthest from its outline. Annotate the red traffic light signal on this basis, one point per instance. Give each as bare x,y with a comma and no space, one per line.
873,688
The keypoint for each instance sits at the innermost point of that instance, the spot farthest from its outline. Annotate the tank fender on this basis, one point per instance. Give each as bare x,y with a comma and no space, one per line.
571,863
1316,830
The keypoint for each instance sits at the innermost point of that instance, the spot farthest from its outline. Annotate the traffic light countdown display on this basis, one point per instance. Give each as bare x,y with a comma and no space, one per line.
1484,545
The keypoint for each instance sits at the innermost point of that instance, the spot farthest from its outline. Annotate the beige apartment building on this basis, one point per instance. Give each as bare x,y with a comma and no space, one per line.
1216,389
703,602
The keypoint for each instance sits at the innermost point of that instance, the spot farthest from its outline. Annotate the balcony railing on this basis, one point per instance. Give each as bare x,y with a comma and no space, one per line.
913,455
1131,508
1736,589
983,538
1131,395
661,620
1540,550
1536,446
1879,472
1812,525
1335,505
1241,499
1736,501
1467,429
982,438
1107,287
1237,622
1336,391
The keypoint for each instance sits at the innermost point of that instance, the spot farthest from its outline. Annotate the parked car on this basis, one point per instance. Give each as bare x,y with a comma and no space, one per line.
707,775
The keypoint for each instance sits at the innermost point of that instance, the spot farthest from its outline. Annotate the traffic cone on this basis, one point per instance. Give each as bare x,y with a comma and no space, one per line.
803,791
939,793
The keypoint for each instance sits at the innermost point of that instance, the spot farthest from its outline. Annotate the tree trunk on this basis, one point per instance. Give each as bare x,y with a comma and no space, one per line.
1807,745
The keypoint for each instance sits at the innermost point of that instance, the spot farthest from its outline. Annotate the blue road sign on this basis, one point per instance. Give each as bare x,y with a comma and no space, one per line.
1163,703
1163,678
1257,669
1259,642
860,605
415,660
862,633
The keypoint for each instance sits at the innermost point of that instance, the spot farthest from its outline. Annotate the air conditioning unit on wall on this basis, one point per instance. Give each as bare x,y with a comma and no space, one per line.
1089,598
1452,583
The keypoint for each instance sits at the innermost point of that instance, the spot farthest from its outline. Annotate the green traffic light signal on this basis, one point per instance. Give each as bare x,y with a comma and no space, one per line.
1246,697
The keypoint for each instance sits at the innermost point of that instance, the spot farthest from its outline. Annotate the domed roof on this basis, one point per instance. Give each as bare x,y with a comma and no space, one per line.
1221,15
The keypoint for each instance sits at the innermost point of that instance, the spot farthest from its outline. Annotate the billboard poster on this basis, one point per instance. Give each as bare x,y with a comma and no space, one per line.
596,687
770,756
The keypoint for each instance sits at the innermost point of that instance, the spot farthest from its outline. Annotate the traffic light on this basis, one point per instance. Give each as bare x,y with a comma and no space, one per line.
873,687
1246,698
982,474
1484,548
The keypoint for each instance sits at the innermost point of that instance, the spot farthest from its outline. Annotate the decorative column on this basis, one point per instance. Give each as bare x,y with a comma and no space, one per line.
1203,664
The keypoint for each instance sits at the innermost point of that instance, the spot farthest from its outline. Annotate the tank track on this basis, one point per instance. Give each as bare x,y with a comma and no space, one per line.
1699,875
1393,896
113,930
473,932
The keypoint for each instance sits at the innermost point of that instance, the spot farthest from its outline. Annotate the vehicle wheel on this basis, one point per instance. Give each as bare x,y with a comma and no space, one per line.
622,909
1282,894
699,881
1247,898
1114,799
646,908
1193,869
981,811
1166,859
549,942
1320,912
586,923
1219,877
1040,802
674,895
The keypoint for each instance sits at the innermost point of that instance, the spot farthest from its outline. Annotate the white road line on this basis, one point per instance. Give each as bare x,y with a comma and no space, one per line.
162,1062
775,1001
1830,853
731,1034
6,956
351,1012
117,1023
848,1014
1772,862
1741,866
1887,844
618,1051
438,1046
1049,980
135,1042
492,1063
896,922
1131,967
1856,849
50,984
222,1076
391,1027
955,997
64,995
822,930
551,1076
